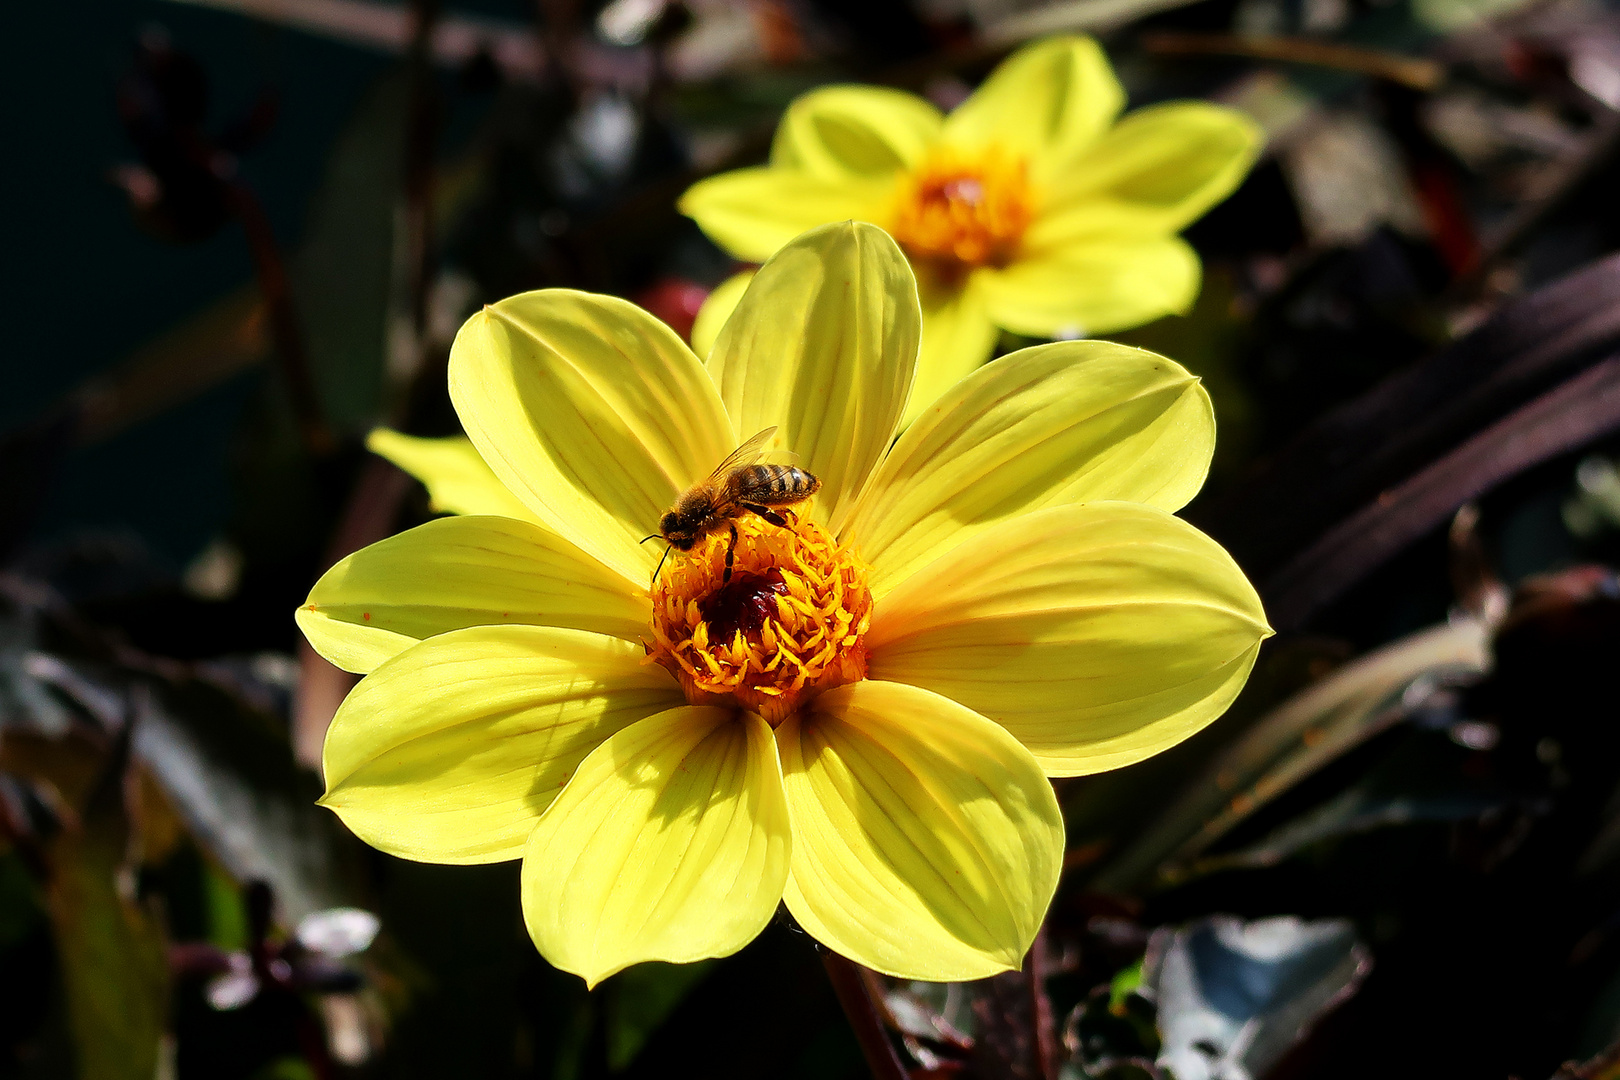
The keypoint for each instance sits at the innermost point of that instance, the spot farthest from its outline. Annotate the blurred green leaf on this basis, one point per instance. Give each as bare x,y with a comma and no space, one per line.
111,950
287,1068
227,918
641,999
342,274
226,768
222,340
1295,740
67,764
1451,15
1106,813
20,910
1600,1027
230,774
1123,983
1425,779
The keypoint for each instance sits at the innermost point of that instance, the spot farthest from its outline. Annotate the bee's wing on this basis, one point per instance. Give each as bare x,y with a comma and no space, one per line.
749,452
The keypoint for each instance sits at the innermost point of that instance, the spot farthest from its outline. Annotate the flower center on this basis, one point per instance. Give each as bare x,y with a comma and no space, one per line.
789,624
964,213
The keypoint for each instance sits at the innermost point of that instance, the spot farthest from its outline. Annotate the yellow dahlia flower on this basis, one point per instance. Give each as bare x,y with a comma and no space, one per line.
1027,208
860,721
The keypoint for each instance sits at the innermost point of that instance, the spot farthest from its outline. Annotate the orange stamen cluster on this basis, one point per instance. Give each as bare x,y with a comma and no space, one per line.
964,212
789,624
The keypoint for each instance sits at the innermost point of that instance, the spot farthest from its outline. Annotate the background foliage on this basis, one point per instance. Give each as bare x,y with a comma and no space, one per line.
242,232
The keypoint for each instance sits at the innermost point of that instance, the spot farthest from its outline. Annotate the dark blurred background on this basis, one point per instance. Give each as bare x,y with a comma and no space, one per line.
241,233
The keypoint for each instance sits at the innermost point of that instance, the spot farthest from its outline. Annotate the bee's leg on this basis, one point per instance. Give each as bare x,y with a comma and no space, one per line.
768,514
731,552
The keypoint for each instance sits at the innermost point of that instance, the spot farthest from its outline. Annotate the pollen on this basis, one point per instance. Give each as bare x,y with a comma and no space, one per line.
790,623
961,212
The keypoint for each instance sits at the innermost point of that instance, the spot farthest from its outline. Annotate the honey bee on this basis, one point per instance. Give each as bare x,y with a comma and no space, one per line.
738,484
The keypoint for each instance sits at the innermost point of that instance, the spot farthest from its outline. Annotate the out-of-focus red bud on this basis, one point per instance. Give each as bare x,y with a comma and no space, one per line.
675,300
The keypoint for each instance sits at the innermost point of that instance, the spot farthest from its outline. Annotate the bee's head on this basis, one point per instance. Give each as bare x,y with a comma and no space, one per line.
675,531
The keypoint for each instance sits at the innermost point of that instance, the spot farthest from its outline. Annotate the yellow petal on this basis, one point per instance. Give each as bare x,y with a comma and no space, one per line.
459,572
752,212
451,751
670,843
1098,635
855,132
823,346
1092,288
1157,171
592,412
1045,103
716,309
1071,422
957,337
926,842
457,480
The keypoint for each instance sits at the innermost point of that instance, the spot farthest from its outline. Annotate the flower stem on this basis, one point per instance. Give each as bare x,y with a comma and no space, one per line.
1042,1037
285,330
863,1015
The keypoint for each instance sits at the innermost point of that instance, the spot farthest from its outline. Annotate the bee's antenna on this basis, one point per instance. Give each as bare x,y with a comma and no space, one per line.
661,562
654,536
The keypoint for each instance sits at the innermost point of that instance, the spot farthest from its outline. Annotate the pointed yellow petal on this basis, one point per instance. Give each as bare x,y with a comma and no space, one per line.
926,842
1045,103
592,412
457,480
1157,171
1092,288
460,572
716,309
957,337
1098,635
1070,422
670,843
450,752
823,346
752,212
837,155
854,132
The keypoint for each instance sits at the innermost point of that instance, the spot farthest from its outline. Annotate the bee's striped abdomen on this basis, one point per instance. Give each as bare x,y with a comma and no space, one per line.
775,485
